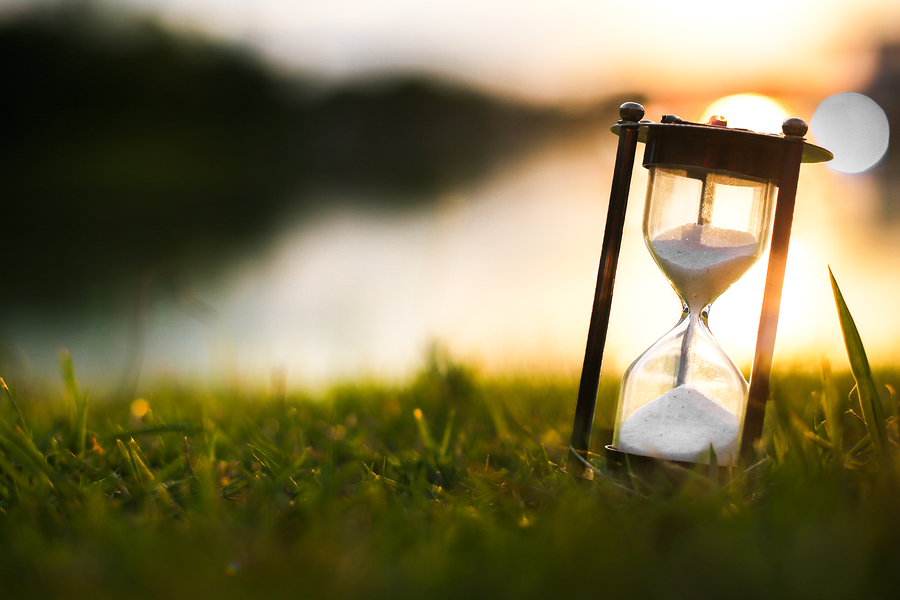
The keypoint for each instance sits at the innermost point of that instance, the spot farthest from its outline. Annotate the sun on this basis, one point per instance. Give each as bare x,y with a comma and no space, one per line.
748,111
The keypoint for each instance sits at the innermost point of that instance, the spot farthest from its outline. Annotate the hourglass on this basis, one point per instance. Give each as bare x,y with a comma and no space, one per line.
704,228
708,217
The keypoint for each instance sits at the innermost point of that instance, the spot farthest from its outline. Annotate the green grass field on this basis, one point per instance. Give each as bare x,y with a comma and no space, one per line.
446,487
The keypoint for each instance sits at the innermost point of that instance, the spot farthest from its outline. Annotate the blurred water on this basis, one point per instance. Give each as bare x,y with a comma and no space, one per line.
501,272
353,290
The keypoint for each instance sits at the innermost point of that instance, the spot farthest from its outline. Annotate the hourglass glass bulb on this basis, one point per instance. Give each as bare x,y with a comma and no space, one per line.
705,228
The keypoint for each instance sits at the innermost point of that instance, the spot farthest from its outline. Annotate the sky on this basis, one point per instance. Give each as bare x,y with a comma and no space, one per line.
563,49
548,51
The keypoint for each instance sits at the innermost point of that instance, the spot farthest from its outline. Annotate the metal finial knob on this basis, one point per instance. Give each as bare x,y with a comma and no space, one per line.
631,111
794,126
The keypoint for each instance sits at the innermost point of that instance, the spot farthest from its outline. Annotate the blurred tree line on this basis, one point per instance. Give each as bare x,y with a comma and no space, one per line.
885,90
128,149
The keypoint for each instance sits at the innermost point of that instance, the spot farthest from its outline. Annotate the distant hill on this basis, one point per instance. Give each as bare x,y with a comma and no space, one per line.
127,147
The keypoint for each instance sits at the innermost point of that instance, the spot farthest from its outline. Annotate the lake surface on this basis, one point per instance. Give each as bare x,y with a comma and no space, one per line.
500,273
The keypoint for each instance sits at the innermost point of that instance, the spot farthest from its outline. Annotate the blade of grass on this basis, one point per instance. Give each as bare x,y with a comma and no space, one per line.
861,446
832,408
129,462
264,459
147,477
445,441
15,481
78,425
81,425
713,464
822,443
18,446
546,464
68,372
12,400
399,487
869,403
287,474
424,431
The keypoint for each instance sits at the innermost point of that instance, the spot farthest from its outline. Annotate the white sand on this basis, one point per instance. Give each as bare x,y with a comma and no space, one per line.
680,425
702,261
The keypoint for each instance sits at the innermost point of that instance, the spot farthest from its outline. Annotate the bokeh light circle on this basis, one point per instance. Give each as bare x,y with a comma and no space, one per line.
854,128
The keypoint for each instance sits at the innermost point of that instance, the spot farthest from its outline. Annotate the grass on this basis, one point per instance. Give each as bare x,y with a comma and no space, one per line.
446,487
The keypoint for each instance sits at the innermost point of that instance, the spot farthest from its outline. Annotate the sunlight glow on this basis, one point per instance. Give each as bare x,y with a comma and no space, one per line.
734,318
805,286
748,111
